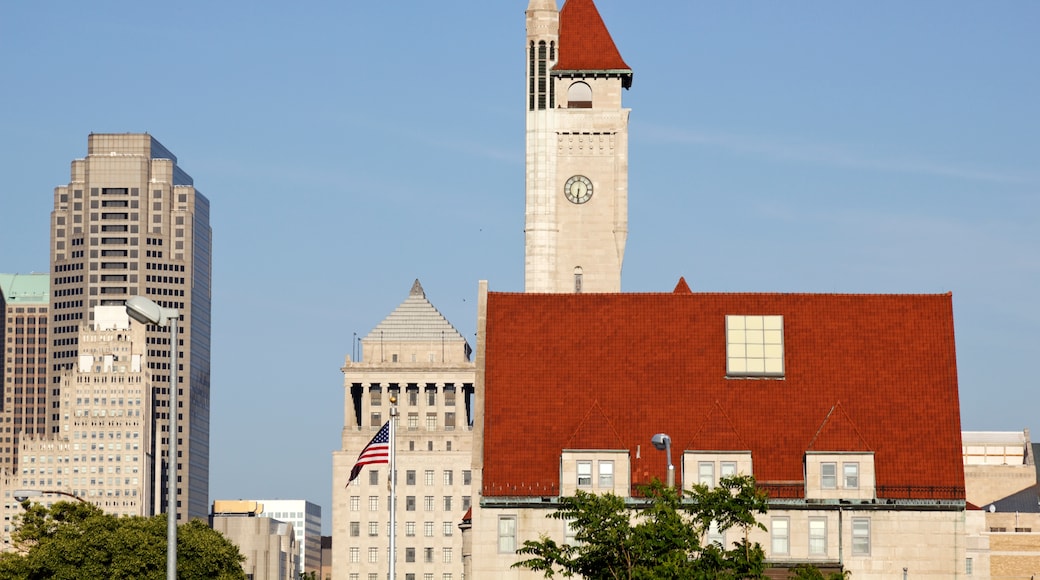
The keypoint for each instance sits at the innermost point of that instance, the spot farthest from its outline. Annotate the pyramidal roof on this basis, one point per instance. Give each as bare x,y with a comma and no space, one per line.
415,320
585,42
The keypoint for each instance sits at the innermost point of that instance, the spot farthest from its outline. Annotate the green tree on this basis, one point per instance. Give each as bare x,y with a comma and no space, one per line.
810,572
78,541
659,538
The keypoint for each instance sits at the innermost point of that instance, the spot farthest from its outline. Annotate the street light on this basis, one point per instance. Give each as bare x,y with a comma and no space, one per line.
24,494
145,311
663,442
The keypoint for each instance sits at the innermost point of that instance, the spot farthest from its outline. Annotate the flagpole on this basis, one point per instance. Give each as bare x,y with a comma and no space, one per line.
393,487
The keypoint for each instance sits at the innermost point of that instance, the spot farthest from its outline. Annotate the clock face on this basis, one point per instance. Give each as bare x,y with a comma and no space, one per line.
578,189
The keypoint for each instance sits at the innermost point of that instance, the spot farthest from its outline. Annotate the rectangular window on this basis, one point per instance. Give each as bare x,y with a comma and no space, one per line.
431,421
413,421
409,477
446,555
355,529
851,475
754,346
428,477
409,555
428,503
467,477
373,477
828,475
449,476
373,503
506,534
409,528
447,503
606,474
448,528
373,555
355,503
715,536
377,420
584,474
409,503
355,554
428,556
969,567
860,537
428,529
727,469
817,537
780,536
373,528
706,473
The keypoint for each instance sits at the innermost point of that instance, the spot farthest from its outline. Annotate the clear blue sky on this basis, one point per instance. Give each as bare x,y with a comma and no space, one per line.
350,147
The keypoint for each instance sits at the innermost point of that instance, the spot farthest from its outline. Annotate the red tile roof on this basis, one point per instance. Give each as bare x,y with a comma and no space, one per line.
585,42
606,371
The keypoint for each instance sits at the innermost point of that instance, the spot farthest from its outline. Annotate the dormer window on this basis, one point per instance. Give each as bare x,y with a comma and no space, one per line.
579,96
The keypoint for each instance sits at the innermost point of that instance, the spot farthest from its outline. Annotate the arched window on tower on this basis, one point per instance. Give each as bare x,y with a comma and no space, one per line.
577,280
579,96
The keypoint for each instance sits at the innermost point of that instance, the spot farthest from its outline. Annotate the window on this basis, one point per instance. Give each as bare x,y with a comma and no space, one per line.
409,477
377,420
851,475
727,469
373,528
428,556
506,534
431,421
706,473
860,537
355,503
817,537
409,554
577,280
355,554
409,503
754,346
428,503
448,528
449,476
373,555
373,503
355,529
376,396
428,476
715,536
409,529
413,421
969,567
584,474
428,529
828,475
466,503
579,96
447,503
780,531
467,477
446,555
606,474
373,477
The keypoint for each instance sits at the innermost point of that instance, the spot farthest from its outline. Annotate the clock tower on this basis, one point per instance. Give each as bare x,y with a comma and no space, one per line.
576,221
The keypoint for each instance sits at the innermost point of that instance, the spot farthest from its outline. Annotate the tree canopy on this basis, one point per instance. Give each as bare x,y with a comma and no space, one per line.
659,537
79,541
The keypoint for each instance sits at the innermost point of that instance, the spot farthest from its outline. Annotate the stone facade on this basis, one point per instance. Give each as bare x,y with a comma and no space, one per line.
130,222
416,356
269,545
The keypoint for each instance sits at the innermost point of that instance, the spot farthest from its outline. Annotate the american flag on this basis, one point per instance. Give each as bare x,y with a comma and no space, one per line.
377,451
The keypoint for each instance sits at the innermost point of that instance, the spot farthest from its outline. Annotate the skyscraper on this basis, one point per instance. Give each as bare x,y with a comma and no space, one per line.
24,300
130,222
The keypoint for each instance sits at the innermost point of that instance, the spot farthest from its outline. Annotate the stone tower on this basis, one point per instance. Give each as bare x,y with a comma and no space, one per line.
576,221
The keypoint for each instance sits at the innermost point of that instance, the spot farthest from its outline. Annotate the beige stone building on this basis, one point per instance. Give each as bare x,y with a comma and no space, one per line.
269,545
417,356
130,222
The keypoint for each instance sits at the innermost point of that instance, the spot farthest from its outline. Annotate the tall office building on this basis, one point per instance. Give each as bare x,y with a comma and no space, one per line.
130,222
417,356
24,300
306,520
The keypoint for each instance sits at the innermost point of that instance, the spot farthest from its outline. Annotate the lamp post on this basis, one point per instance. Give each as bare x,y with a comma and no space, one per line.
24,494
663,442
145,311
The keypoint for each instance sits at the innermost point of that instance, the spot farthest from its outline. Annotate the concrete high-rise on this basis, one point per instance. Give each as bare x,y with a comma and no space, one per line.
130,222
24,300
